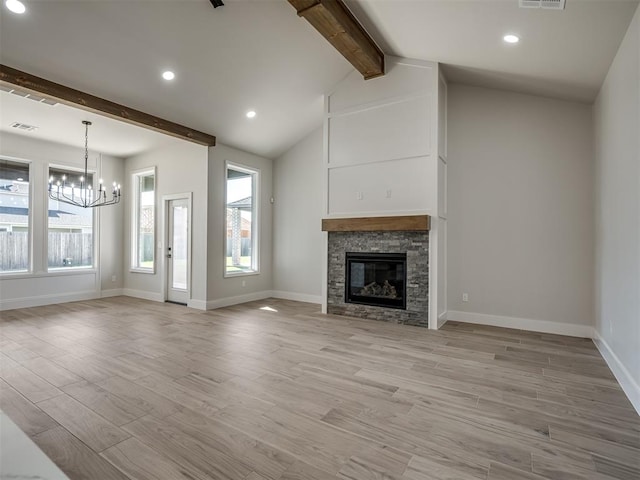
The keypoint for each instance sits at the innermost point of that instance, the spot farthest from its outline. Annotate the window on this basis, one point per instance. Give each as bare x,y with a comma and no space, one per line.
14,216
70,228
241,239
143,215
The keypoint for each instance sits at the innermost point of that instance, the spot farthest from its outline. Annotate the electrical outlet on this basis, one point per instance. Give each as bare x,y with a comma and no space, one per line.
388,193
465,297
113,278
359,195
244,283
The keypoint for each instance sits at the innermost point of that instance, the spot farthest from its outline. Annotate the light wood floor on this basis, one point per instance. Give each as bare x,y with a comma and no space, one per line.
123,388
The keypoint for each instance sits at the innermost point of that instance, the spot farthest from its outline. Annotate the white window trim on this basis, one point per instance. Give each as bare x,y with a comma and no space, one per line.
30,267
95,227
255,225
135,212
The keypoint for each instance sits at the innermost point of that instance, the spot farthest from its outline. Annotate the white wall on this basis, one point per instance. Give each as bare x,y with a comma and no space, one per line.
223,291
41,287
617,134
181,167
520,211
381,142
297,236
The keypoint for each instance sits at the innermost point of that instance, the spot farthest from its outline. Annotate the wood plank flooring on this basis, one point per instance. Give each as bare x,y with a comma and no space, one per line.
122,388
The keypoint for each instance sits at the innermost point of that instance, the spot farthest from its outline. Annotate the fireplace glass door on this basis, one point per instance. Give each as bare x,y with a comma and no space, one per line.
377,279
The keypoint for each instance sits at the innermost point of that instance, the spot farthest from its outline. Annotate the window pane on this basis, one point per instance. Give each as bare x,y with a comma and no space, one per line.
70,227
240,220
145,225
180,242
14,216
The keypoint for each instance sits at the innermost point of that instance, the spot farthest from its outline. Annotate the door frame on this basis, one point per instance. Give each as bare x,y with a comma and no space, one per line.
165,240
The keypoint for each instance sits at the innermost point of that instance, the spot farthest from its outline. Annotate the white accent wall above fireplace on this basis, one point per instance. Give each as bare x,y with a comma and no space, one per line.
379,142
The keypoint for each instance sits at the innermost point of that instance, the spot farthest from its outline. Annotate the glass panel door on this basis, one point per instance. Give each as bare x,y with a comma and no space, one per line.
178,267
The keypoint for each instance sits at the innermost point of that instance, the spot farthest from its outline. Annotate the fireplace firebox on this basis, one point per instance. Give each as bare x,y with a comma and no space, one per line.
377,279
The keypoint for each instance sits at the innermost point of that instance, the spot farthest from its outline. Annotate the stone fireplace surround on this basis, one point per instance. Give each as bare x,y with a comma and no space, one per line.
416,246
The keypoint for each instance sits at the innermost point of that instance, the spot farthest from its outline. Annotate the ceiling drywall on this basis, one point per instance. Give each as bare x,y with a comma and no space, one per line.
258,54
63,124
564,54
246,55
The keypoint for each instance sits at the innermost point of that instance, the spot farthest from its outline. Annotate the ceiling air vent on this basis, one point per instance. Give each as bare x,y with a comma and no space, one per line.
30,96
24,127
548,4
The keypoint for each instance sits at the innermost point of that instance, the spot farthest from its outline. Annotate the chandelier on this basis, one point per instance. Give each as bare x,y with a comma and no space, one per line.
82,194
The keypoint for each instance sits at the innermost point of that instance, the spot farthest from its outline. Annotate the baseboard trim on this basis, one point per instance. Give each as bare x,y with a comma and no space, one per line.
626,381
297,297
238,299
52,299
442,319
114,292
155,297
197,304
542,326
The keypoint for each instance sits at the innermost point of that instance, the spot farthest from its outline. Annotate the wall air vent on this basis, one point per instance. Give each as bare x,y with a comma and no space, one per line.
548,4
24,127
30,96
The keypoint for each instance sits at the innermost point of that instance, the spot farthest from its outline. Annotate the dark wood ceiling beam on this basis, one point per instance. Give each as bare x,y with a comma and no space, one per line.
31,84
337,24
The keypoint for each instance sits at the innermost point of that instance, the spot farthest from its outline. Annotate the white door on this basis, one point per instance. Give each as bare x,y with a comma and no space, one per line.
178,255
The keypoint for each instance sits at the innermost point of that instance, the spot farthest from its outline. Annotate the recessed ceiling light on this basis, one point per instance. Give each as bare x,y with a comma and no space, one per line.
511,38
20,179
251,114
168,75
16,6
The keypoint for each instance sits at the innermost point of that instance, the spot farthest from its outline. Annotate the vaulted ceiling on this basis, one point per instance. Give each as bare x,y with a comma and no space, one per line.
258,55
561,53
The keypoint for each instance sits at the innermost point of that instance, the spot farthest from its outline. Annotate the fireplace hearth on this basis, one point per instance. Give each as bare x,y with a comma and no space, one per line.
377,279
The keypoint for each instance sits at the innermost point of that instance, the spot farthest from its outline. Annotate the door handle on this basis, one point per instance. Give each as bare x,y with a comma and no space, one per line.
168,255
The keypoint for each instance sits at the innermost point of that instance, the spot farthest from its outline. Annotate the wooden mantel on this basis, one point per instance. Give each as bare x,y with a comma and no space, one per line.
407,223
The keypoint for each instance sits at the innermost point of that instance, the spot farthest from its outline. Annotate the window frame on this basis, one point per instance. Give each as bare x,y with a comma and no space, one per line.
255,219
30,221
135,219
95,224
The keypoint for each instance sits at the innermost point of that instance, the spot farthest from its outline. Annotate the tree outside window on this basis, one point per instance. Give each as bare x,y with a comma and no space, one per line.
241,221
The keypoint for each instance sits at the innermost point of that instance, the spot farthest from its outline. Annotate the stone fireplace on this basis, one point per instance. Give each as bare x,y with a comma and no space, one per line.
379,271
